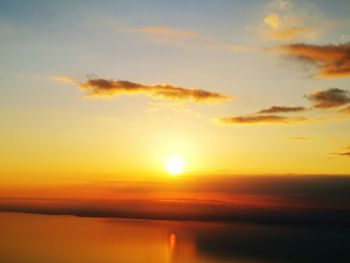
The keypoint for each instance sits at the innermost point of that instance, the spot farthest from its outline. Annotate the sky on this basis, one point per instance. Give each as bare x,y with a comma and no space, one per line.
107,90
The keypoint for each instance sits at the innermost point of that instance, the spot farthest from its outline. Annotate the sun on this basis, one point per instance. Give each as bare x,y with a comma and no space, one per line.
174,164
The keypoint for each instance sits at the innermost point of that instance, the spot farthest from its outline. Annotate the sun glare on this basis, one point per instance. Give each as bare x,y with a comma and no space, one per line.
174,164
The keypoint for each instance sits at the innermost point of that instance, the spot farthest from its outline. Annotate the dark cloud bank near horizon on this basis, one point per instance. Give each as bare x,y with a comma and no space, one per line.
271,200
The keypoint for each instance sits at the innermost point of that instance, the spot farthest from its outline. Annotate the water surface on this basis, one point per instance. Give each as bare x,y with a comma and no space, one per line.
33,238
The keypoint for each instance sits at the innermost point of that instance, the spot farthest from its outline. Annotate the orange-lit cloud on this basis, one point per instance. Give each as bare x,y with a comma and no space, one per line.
332,97
332,60
111,88
257,119
281,109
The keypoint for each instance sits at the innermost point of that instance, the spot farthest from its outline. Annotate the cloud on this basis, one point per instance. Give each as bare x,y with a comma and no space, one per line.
160,34
332,97
252,199
331,60
167,35
111,88
256,119
267,115
64,79
289,33
346,152
278,30
281,109
292,20
237,48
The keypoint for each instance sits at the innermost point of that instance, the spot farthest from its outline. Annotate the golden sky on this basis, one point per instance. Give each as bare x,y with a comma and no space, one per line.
108,91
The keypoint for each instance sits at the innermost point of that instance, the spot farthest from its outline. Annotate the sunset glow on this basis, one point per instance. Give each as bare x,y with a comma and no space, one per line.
184,131
174,164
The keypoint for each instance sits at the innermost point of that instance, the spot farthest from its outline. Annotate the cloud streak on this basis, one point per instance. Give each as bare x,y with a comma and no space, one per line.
345,153
331,60
112,88
281,109
259,119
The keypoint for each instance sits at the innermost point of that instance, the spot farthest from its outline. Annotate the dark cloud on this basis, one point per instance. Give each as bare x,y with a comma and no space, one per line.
110,88
332,60
253,119
292,200
332,97
281,109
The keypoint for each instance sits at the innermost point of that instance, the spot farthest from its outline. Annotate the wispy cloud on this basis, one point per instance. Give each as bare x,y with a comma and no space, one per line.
64,79
278,28
167,35
184,38
161,31
158,33
284,20
281,109
258,119
298,138
238,48
345,153
332,97
331,60
178,37
111,88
